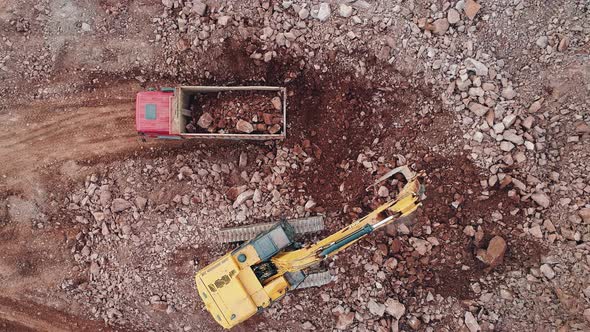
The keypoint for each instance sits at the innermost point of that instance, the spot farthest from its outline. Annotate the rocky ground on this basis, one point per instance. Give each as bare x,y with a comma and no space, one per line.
102,232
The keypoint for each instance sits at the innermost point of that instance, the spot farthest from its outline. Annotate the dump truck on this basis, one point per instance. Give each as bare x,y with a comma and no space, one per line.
263,269
165,113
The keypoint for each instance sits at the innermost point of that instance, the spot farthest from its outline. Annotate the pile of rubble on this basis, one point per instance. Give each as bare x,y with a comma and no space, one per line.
236,112
522,139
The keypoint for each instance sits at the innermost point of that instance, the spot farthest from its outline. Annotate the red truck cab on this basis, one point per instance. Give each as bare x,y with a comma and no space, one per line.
152,113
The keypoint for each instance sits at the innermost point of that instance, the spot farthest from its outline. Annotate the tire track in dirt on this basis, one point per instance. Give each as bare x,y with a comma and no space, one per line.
32,261
40,135
20,316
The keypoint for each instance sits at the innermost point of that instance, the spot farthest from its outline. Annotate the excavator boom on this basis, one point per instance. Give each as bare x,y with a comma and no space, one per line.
406,202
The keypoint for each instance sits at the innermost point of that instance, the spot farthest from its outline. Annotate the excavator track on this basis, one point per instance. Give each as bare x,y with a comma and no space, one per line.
316,279
245,233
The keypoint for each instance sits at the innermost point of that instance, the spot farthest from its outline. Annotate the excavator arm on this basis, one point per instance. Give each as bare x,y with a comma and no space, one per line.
406,202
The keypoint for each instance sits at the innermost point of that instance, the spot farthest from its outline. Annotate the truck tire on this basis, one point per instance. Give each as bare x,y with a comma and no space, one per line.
315,279
245,233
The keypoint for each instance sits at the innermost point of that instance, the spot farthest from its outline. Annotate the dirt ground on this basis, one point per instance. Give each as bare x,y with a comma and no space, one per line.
100,231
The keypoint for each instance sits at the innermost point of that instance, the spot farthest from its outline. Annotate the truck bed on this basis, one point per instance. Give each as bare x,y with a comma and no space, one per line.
181,103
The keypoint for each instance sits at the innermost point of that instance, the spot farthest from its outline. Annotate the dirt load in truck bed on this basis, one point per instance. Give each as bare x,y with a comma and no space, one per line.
239,112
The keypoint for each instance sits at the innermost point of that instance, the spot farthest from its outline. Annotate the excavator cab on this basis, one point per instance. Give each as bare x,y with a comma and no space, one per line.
243,281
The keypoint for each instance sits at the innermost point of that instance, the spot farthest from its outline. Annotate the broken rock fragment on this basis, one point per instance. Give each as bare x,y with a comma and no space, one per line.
479,68
120,205
547,271
274,129
506,146
563,44
513,137
244,126
536,106
440,26
536,231
344,321
395,308
303,13
324,12
276,103
242,198
471,8
243,161
453,16
205,120
199,8
140,202
471,322
421,246
541,198
375,308
383,191
494,254
345,10
223,20
478,109
94,269
508,93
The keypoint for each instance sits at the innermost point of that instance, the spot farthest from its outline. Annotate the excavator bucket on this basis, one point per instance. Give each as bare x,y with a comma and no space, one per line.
408,175
404,170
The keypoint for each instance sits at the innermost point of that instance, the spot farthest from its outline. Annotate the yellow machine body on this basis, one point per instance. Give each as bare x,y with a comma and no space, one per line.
239,284
232,292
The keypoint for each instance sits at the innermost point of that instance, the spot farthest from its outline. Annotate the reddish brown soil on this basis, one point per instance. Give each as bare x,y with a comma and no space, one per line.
23,317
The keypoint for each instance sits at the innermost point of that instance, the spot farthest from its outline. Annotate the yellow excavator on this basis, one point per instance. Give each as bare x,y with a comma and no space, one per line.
262,270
